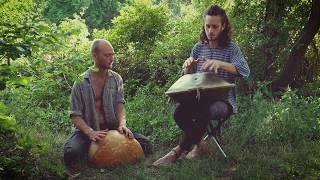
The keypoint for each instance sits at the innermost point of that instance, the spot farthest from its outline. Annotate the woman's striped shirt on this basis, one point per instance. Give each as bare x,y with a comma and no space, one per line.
230,54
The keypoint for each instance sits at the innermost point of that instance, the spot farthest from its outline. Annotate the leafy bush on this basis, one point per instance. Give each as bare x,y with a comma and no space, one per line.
22,155
97,13
153,52
36,108
277,136
292,119
311,89
43,100
140,24
151,114
134,34
175,47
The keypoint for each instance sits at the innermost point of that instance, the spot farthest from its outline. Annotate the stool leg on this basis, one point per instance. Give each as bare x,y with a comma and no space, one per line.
215,132
206,137
221,150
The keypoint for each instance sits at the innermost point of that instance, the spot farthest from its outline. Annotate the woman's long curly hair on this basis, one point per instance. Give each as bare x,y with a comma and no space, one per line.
225,36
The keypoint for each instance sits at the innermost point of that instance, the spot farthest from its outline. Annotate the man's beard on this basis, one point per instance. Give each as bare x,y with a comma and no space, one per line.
212,39
105,66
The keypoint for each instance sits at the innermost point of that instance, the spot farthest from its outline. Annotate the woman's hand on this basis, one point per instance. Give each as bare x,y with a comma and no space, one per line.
187,65
211,64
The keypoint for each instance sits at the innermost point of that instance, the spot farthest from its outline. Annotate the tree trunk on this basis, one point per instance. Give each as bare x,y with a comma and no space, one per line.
8,61
308,72
289,69
274,13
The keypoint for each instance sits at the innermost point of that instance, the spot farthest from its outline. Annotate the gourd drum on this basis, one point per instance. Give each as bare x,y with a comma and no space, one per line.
199,86
114,150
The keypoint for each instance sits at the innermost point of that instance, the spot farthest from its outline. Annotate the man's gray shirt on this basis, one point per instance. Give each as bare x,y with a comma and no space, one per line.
83,99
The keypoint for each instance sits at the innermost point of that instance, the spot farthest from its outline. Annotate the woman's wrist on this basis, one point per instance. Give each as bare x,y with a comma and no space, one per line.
187,70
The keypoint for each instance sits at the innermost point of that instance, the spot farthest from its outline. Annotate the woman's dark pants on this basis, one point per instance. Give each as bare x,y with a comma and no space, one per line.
194,117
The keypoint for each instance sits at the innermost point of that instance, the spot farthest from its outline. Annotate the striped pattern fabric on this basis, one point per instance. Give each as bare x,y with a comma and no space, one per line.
231,54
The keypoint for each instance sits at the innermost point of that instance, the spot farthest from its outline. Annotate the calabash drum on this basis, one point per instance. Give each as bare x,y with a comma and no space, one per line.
193,87
114,150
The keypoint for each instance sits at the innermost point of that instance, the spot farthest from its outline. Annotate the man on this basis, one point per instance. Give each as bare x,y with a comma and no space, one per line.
215,52
97,105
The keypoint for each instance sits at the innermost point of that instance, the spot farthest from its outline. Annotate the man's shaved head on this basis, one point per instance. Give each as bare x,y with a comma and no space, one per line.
96,43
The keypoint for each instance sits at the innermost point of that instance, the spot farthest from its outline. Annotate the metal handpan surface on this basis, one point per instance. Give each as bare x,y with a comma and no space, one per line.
198,81
206,86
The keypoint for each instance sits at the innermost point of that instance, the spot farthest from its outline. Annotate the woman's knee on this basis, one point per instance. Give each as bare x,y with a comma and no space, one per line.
178,113
182,113
219,110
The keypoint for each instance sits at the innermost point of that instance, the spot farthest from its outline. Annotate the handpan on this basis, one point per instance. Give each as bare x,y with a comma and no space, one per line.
204,85
114,150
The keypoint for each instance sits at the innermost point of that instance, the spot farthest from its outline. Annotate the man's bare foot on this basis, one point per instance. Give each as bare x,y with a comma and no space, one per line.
168,158
202,146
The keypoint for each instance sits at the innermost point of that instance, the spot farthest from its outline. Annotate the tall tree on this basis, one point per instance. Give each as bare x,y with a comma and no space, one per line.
275,11
97,13
289,70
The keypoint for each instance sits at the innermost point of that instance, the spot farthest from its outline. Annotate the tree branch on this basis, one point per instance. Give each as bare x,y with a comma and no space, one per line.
289,69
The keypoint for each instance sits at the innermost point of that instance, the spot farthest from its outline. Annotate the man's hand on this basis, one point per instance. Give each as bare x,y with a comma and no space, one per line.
126,131
97,135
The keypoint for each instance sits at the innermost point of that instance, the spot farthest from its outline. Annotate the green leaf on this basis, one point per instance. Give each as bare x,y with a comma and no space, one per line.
43,27
7,123
3,107
20,49
23,81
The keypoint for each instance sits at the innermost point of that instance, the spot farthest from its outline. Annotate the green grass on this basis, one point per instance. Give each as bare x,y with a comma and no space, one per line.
207,166
268,139
280,161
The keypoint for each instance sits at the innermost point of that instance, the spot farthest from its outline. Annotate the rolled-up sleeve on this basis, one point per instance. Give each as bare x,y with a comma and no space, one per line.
195,51
120,93
195,55
76,104
239,62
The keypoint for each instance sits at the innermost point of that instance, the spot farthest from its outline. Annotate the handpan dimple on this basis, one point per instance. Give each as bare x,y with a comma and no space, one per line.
197,79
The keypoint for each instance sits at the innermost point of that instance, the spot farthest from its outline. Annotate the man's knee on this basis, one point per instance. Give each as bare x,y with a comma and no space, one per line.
72,154
145,143
75,150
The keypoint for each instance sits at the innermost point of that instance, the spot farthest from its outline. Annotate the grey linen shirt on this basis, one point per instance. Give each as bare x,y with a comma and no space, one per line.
83,99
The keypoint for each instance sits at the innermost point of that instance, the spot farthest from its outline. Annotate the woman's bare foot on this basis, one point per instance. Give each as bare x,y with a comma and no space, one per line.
169,158
202,146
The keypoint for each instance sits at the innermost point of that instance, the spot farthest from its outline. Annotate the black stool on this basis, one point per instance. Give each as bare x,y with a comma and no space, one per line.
214,131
